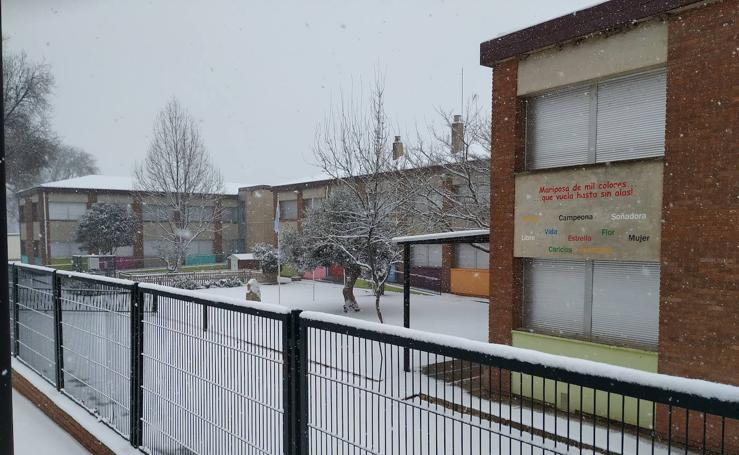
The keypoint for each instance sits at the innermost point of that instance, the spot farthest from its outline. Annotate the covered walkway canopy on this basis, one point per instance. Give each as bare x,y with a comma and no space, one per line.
440,238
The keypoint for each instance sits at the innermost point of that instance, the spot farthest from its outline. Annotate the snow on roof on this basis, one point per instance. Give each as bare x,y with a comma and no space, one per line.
116,183
243,256
525,25
441,235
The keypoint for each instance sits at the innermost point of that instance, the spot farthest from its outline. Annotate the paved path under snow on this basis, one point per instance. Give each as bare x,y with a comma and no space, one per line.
35,433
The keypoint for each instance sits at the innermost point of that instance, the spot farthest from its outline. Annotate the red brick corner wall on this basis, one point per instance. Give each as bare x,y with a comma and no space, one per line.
504,312
699,292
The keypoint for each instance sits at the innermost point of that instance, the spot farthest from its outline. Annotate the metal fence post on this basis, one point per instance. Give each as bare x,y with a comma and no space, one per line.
56,285
288,375
16,312
137,366
301,435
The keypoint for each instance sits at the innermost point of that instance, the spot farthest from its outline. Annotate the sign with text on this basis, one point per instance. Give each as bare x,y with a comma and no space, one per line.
611,211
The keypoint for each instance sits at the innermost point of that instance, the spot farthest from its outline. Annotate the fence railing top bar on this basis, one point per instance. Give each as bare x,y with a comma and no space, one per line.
709,395
37,268
176,274
96,278
214,300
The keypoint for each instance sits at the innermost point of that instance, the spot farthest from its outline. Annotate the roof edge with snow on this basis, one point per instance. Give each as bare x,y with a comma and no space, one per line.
466,236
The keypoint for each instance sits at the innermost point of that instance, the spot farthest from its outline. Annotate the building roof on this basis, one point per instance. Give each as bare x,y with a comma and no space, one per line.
113,183
603,16
466,236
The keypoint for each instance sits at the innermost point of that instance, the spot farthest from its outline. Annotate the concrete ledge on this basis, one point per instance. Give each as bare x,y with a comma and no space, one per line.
59,416
69,415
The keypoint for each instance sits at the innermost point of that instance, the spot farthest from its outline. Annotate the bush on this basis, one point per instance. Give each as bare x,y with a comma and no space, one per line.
192,285
267,256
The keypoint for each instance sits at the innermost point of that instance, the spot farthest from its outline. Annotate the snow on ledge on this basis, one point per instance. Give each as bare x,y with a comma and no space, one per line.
441,235
39,268
698,387
107,436
216,298
101,278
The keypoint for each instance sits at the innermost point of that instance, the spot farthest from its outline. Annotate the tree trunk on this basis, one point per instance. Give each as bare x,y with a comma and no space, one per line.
348,291
377,307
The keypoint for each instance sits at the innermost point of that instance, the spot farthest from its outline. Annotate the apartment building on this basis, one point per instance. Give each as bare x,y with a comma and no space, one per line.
49,216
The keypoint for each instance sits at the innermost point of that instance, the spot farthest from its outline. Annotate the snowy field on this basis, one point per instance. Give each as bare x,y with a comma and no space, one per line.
449,314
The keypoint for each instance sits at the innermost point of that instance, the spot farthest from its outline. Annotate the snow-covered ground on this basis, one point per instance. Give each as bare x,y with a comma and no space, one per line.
34,433
449,314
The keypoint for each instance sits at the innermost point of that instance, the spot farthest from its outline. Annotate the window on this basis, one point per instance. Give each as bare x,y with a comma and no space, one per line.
151,248
233,246
469,257
155,212
200,214
314,202
230,215
426,255
200,247
66,210
289,210
65,249
124,251
604,301
616,119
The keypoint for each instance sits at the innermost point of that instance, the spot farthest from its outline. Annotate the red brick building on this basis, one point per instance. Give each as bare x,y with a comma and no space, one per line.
615,186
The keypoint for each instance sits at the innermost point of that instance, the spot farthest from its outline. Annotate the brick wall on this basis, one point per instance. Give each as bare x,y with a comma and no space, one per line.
699,297
507,158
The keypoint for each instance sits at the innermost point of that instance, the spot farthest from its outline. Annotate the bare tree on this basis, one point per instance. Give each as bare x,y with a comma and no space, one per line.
68,162
179,184
28,141
453,172
353,147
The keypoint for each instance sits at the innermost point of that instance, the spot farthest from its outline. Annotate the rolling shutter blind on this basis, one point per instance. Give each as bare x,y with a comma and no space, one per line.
466,258
426,255
558,128
469,257
555,296
435,254
626,303
419,255
631,117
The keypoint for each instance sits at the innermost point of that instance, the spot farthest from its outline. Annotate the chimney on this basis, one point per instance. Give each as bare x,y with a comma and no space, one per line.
457,134
397,148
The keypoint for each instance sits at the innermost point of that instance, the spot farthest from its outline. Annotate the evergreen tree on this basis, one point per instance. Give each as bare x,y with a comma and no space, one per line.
106,227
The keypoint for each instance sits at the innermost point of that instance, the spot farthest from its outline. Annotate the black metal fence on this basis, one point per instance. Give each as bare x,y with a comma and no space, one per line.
176,371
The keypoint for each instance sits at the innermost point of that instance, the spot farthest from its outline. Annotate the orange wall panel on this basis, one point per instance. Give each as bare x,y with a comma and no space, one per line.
474,282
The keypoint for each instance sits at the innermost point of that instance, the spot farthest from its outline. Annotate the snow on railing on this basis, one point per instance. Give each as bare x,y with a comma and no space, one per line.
697,387
186,293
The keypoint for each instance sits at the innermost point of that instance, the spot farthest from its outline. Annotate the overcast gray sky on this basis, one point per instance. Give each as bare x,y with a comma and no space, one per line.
258,75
